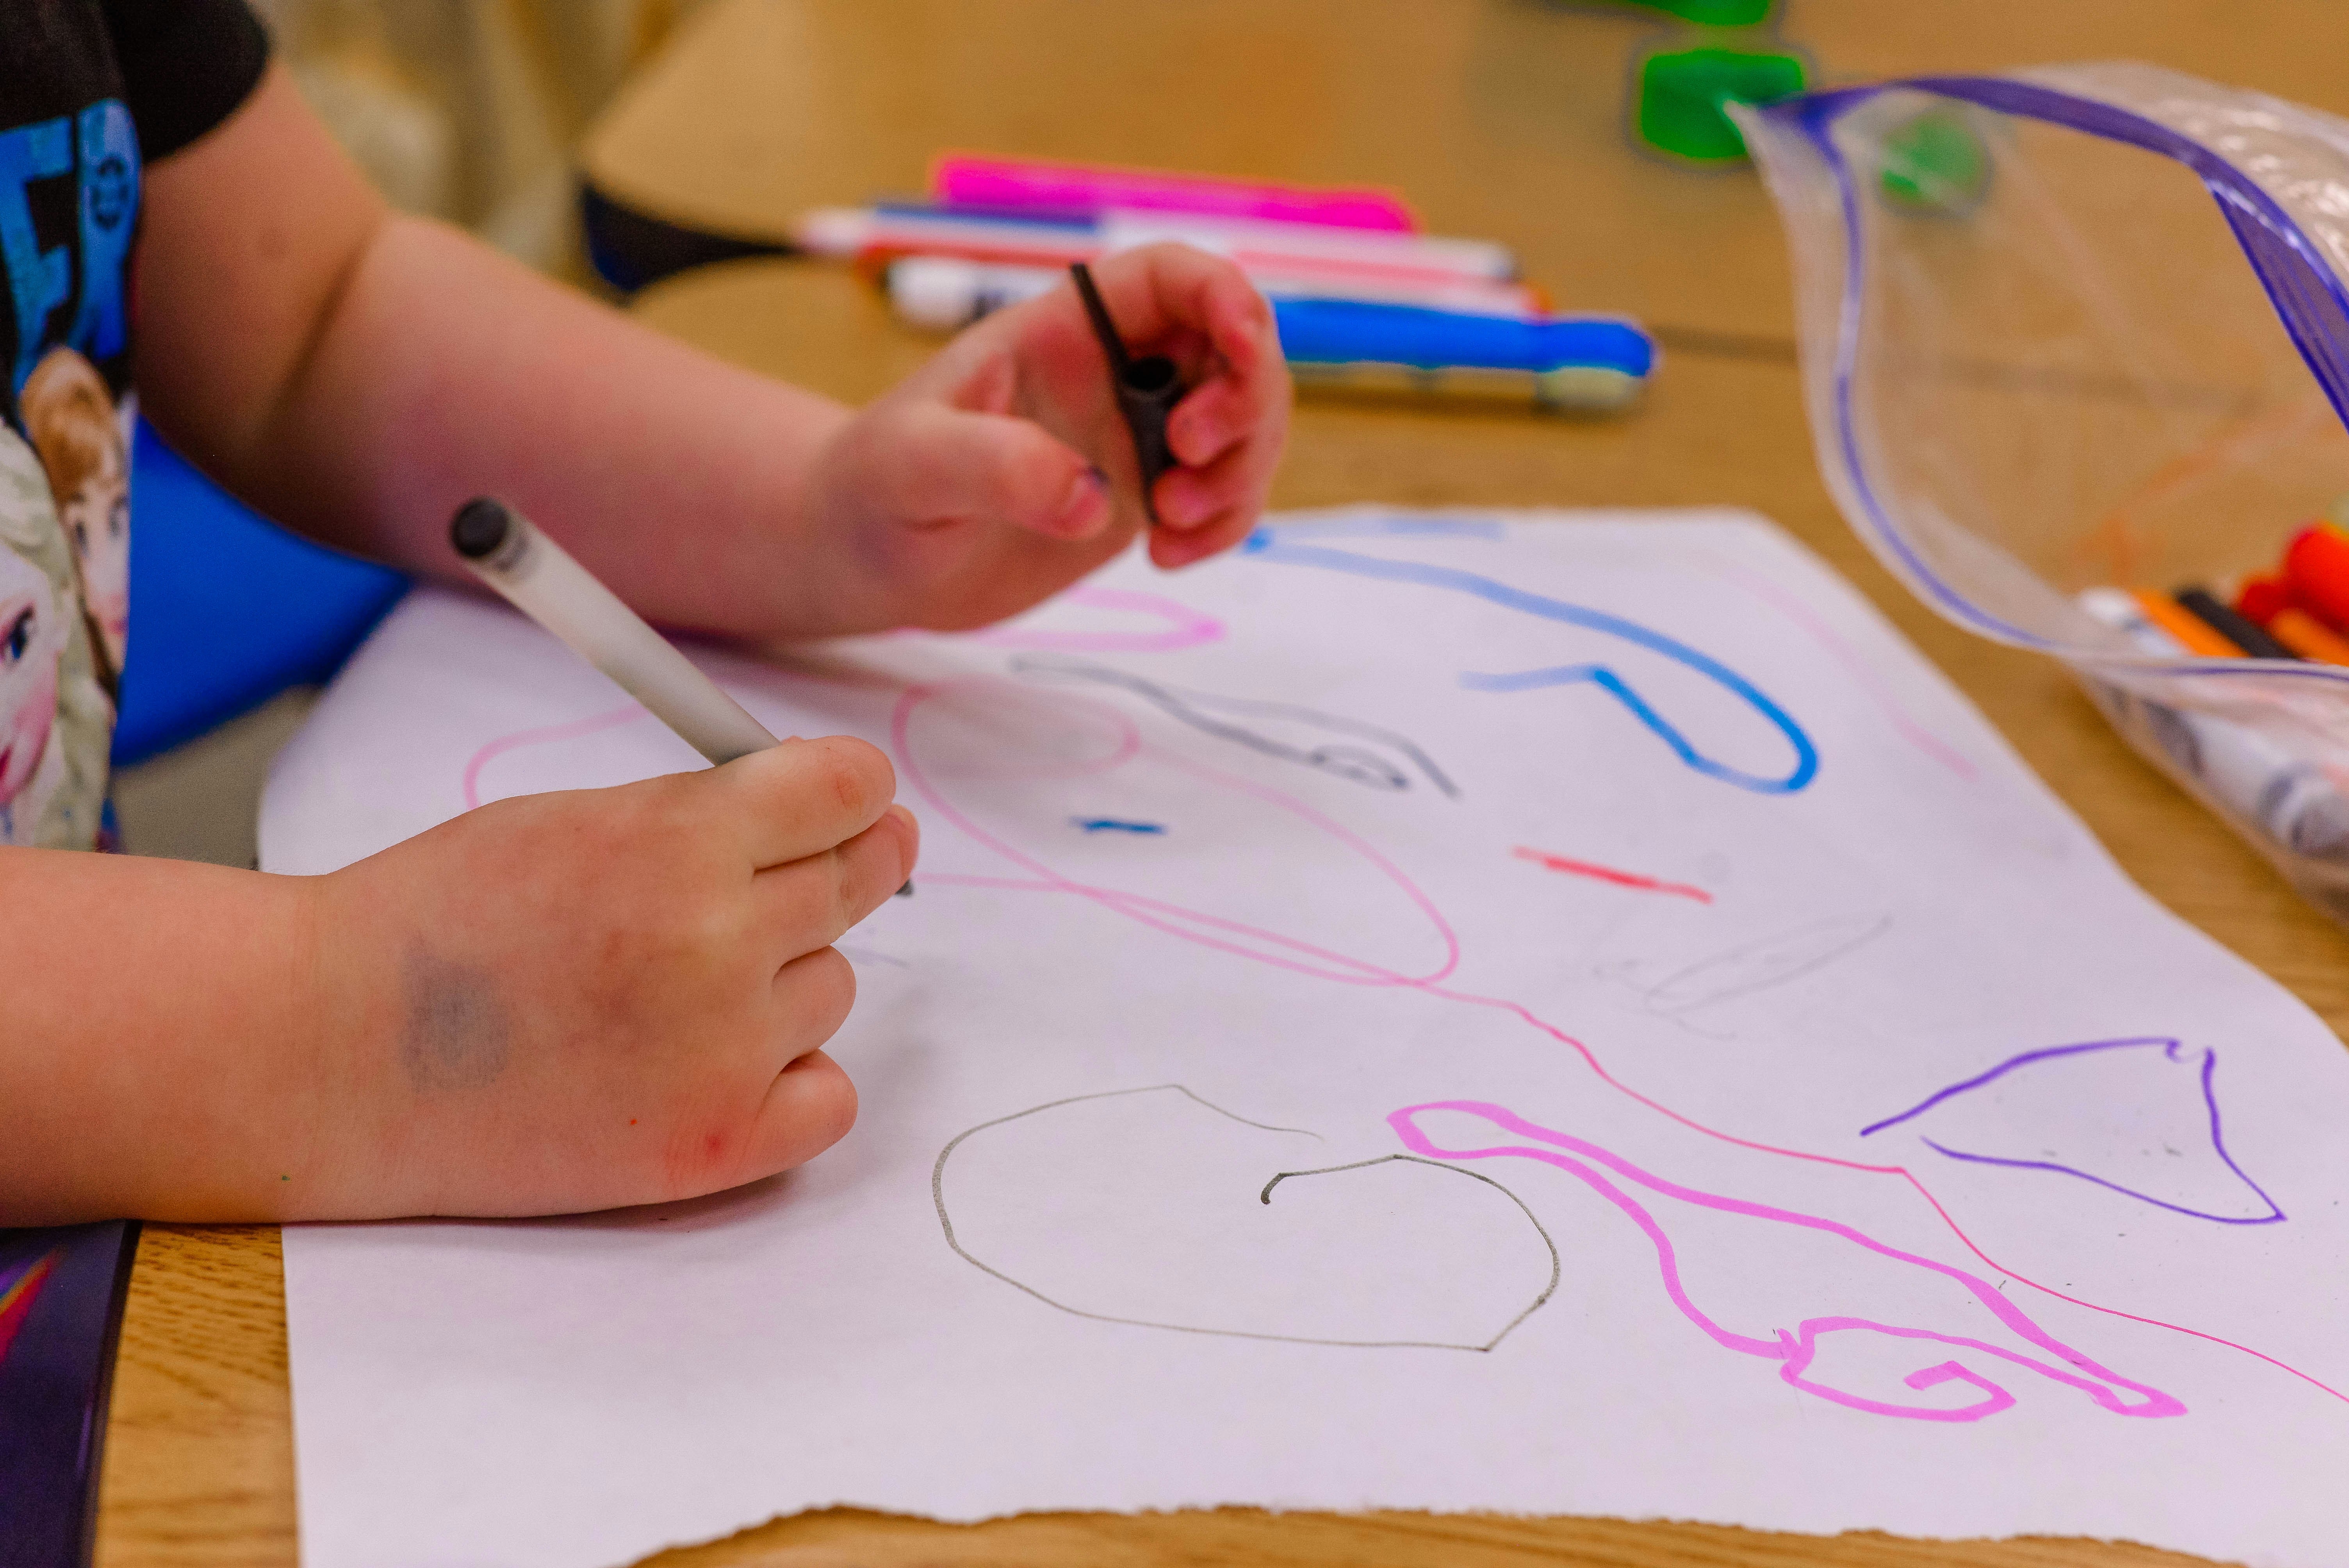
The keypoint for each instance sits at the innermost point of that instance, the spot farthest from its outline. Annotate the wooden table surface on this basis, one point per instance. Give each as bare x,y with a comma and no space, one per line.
1501,118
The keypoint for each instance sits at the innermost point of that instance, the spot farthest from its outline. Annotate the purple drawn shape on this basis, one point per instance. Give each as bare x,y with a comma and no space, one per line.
2171,1049
1795,1350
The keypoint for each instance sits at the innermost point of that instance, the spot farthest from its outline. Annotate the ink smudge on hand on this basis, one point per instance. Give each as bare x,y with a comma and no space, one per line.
457,1034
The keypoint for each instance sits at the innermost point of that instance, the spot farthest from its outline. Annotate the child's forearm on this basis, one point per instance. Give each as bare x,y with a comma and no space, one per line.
448,371
165,1053
357,374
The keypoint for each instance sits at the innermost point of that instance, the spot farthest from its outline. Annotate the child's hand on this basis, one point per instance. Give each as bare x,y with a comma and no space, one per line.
1002,471
605,996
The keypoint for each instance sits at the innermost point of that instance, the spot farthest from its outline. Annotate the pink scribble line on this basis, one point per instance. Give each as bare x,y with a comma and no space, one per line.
547,735
1851,659
1186,628
1354,971
1590,1061
1795,1351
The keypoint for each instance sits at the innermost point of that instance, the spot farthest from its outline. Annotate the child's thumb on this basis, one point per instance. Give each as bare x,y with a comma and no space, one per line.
997,467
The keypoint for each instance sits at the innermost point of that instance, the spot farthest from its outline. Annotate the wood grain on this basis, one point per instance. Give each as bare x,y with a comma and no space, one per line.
1500,118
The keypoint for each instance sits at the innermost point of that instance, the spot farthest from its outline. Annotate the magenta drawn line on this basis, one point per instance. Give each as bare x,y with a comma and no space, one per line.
545,735
1184,627
1850,658
1795,1350
2170,1048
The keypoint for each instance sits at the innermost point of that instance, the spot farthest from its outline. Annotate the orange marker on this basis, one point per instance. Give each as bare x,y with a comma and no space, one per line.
2194,634
2309,637
2316,566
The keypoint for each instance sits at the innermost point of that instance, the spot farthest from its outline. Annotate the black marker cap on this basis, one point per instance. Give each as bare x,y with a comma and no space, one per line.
479,528
2236,627
1147,389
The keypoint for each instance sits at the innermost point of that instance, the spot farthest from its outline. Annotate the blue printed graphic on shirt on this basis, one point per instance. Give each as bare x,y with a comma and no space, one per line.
70,195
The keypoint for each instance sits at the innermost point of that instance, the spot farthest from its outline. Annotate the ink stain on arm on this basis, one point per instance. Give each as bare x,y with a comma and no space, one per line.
1117,825
455,1033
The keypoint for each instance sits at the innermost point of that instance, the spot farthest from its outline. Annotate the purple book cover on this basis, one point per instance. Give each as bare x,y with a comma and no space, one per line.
60,1308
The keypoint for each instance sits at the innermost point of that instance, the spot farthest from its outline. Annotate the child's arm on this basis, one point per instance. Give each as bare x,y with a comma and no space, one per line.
359,374
559,1001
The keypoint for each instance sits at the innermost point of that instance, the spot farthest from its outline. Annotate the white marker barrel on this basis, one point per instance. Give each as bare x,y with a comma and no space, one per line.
544,581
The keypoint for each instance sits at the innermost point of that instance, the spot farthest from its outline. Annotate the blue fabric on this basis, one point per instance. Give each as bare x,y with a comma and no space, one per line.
227,609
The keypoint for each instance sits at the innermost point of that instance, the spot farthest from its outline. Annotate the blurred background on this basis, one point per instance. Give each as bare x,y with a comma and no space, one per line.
470,109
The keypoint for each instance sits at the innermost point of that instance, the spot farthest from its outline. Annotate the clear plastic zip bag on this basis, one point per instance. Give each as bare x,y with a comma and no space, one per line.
2083,327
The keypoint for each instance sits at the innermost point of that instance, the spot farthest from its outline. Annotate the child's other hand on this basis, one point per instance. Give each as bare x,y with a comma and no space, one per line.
976,487
605,996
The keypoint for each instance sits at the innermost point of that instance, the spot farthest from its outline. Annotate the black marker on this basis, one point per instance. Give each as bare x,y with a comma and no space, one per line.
2236,627
1147,390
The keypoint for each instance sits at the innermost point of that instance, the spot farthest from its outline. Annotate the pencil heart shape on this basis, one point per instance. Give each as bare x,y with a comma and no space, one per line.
1154,1208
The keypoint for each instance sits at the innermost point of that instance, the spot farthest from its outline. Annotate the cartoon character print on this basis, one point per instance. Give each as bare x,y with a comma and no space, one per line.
57,722
70,415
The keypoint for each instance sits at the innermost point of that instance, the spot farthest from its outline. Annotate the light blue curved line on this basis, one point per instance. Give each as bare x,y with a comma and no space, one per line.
1386,526
1266,544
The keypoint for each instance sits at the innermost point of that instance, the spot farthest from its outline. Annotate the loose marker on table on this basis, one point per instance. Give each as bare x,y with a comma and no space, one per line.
1147,390
540,578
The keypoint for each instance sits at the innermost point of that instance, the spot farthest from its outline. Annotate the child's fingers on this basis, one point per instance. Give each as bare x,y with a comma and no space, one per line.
801,798
811,904
812,995
1186,498
1159,290
809,1107
952,466
1213,419
1170,549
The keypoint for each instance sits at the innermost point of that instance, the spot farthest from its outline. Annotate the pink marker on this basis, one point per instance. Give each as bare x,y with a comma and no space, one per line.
1027,184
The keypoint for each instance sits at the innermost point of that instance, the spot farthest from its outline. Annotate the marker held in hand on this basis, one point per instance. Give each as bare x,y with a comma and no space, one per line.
1147,390
542,580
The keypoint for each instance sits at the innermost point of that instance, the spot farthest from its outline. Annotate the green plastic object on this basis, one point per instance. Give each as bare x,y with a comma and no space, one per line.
1682,91
1713,13
1936,163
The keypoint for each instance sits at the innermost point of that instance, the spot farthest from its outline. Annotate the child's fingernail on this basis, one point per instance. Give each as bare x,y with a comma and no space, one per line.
1086,501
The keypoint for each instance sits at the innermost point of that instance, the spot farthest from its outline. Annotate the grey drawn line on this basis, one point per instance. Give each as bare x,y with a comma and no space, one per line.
946,1223
1531,1218
1761,964
1356,763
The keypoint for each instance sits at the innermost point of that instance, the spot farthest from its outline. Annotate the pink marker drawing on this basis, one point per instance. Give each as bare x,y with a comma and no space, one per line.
1179,626
1794,1349
1288,952
1797,1349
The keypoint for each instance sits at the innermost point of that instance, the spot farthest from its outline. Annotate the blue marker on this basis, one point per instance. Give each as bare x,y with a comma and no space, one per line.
1586,362
1558,362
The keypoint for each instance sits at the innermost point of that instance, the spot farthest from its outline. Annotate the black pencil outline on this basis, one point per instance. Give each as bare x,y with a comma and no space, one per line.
1177,704
946,1223
1875,926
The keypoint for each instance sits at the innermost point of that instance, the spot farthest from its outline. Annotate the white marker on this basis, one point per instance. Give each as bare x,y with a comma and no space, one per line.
2284,797
539,577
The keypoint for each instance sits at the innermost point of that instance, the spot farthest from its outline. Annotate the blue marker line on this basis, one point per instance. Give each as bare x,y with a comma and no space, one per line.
1267,545
1113,825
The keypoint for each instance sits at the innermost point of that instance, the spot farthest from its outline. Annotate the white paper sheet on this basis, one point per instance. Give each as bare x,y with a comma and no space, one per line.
1556,1015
